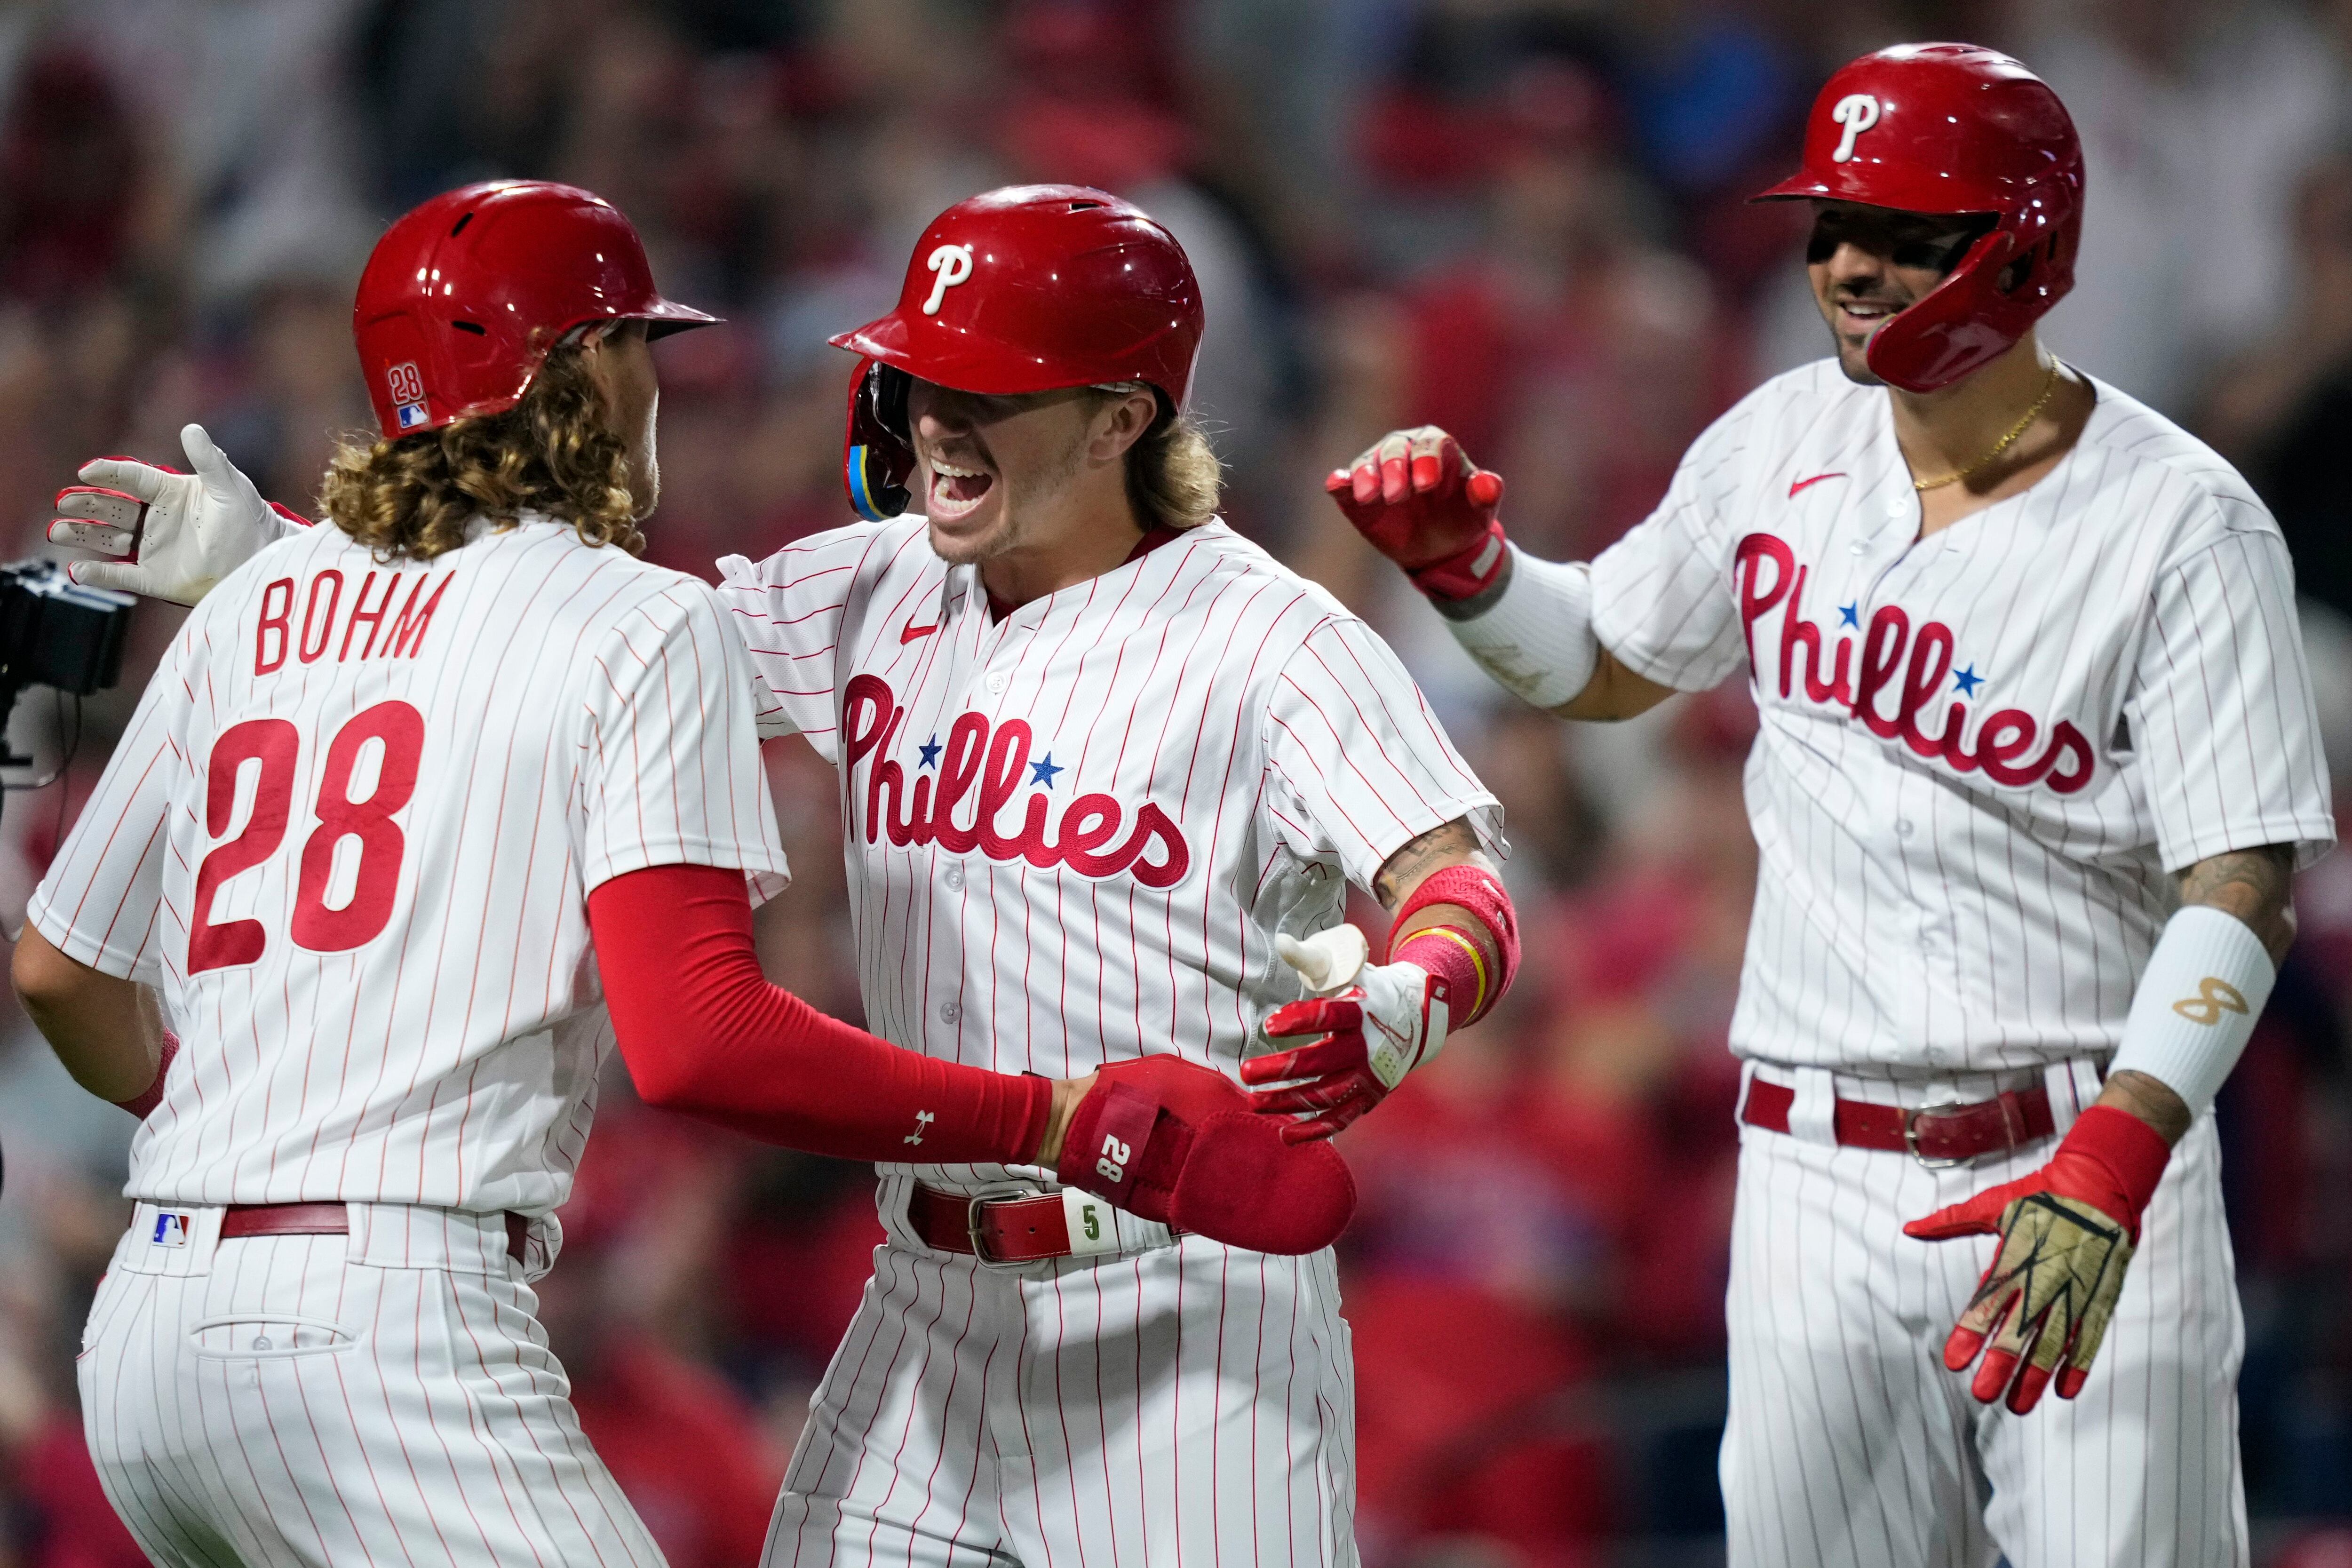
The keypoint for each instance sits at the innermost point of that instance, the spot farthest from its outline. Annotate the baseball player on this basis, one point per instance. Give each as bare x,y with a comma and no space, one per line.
2036,763
409,800
1106,770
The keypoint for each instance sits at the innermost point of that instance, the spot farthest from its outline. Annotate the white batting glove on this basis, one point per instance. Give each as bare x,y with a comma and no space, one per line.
174,535
1375,1023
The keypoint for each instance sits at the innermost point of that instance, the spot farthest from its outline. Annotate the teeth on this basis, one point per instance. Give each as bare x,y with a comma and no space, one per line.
949,472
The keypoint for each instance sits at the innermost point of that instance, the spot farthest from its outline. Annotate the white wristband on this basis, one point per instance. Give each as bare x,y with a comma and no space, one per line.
2198,999
1536,641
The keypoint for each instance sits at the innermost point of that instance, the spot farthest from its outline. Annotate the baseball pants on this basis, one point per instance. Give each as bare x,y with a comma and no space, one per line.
1188,1404
1849,1443
385,1396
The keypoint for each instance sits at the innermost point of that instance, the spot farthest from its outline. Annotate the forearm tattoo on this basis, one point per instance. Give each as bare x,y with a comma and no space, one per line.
1452,845
2257,885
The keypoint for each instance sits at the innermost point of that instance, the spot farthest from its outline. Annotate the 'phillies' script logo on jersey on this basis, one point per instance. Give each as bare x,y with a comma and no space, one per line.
1896,676
985,767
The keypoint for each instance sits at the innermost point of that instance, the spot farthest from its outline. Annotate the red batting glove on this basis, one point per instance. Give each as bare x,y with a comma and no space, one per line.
1175,1141
2066,1237
1423,505
1374,1024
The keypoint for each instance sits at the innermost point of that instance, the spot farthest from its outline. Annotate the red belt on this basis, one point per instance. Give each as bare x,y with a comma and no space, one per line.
1026,1229
1934,1135
241,1220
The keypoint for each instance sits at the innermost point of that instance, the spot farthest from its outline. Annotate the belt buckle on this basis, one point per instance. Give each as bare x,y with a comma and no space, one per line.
996,1193
1911,1136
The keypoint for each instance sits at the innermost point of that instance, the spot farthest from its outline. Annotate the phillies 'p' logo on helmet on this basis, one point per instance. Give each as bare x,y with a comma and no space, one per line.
465,294
1953,129
1026,289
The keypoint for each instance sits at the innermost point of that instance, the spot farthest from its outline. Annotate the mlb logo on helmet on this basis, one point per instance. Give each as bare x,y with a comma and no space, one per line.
407,388
171,1230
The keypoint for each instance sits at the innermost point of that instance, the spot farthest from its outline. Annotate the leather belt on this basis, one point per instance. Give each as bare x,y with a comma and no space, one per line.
1934,1135
1026,1227
241,1220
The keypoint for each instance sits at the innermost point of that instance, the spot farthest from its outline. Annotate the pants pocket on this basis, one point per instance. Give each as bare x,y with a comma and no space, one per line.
268,1336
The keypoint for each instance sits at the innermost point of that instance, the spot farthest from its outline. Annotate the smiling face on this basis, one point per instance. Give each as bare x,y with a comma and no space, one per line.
1867,263
1000,475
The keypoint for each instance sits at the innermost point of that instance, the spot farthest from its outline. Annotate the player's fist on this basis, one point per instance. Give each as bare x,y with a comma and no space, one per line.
173,535
1426,507
2066,1237
1373,1023
1176,1142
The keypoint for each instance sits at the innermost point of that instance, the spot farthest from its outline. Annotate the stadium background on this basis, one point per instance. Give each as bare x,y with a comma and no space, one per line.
1519,218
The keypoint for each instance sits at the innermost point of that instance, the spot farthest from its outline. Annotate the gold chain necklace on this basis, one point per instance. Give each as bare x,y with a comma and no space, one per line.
2049,386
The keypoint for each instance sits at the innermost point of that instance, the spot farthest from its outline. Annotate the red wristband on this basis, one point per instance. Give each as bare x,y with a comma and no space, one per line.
1482,893
1451,954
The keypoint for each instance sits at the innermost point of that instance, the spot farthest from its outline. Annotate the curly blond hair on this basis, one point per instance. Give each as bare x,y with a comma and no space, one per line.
554,453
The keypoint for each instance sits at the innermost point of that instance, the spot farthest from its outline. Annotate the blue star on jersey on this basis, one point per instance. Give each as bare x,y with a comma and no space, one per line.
1850,615
1042,772
1966,681
930,749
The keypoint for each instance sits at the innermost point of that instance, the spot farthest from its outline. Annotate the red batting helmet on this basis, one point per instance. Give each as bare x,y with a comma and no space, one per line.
462,297
1952,128
1027,289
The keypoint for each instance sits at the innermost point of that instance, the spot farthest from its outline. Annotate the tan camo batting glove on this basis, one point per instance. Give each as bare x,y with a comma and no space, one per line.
2066,1237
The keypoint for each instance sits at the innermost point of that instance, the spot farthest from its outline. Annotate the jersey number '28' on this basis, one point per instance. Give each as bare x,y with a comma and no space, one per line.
275,744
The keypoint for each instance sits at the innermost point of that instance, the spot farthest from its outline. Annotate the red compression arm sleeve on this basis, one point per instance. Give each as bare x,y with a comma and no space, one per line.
704,1033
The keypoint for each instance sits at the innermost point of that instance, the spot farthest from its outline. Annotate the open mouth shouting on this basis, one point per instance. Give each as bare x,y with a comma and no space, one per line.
957,490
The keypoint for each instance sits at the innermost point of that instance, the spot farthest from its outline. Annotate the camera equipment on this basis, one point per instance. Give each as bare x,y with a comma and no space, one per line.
55,632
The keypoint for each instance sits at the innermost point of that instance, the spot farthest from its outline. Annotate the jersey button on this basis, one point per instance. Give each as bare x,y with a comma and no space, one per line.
1903,827
996,683
954,878
949,1012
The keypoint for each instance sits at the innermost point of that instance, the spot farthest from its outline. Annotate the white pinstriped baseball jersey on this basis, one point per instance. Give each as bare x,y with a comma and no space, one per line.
1073,834
1981,751
351,833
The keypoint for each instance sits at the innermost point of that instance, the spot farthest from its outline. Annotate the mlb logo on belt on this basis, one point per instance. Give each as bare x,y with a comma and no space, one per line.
171,1230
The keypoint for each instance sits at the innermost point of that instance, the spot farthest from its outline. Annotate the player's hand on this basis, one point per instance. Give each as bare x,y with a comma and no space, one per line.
173,535
2066,1237
1375,1024
1176,1142
1425,506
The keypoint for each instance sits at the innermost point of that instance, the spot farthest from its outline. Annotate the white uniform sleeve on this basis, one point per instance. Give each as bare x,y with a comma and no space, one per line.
1662,599
673,774
789,610
99,901
2220,710
1356,763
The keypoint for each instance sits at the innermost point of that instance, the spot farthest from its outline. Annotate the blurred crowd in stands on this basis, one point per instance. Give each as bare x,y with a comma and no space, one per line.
1522,219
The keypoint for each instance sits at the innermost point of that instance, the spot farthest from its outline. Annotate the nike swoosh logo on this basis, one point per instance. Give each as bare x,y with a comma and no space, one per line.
910,631
1817,478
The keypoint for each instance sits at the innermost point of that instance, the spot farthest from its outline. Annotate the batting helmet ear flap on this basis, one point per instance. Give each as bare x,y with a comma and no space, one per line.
877,459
